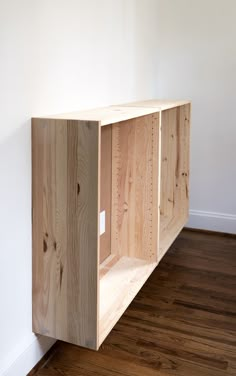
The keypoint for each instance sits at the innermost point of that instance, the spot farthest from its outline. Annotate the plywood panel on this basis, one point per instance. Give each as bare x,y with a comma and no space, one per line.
106,156
118,113
65,229
135,187
108,115
174,208
158,104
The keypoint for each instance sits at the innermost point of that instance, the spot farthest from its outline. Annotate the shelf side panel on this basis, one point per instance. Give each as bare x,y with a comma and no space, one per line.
65,176
174,203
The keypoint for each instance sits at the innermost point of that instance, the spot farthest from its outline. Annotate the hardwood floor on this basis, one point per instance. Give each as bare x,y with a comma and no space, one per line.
183,321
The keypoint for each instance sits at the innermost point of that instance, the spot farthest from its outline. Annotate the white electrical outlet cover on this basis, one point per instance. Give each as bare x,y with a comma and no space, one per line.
102,222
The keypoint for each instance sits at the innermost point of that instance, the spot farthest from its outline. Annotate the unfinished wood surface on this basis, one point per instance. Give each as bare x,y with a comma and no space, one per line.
105,190
118,113
83,282
118,287
107,264
158,104
65,229
107,115
174,201
134,187
182,322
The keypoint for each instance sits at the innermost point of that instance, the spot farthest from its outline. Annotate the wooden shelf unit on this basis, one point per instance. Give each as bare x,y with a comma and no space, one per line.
130,162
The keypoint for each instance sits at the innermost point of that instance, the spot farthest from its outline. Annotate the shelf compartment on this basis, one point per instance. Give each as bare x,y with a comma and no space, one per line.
128,195
129,186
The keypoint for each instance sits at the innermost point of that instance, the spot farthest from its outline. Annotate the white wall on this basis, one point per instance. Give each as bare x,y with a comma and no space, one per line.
63,55
56,56
197,52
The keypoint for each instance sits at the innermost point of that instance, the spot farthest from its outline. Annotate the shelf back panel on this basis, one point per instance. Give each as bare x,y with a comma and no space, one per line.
135,148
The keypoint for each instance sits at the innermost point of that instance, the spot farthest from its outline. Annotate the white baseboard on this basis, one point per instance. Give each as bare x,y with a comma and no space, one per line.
22,361
212,221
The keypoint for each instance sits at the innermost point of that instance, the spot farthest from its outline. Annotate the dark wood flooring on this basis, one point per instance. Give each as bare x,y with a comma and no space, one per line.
182,322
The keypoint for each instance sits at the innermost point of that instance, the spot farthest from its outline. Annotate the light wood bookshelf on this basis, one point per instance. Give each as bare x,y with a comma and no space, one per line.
130,162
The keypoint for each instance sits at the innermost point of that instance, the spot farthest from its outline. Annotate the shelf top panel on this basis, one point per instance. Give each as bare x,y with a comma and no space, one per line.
115,114
159,104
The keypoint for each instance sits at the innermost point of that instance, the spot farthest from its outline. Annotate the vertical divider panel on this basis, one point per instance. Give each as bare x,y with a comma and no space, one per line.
174,201
105,186
65,157
159,166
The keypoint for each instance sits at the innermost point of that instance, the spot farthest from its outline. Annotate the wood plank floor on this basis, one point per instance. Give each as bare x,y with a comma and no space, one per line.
183,321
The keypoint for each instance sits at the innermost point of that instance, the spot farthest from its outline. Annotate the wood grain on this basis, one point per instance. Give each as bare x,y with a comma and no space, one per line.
182,322
65,229
114,114
105,197
174,200
134,187
158,104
